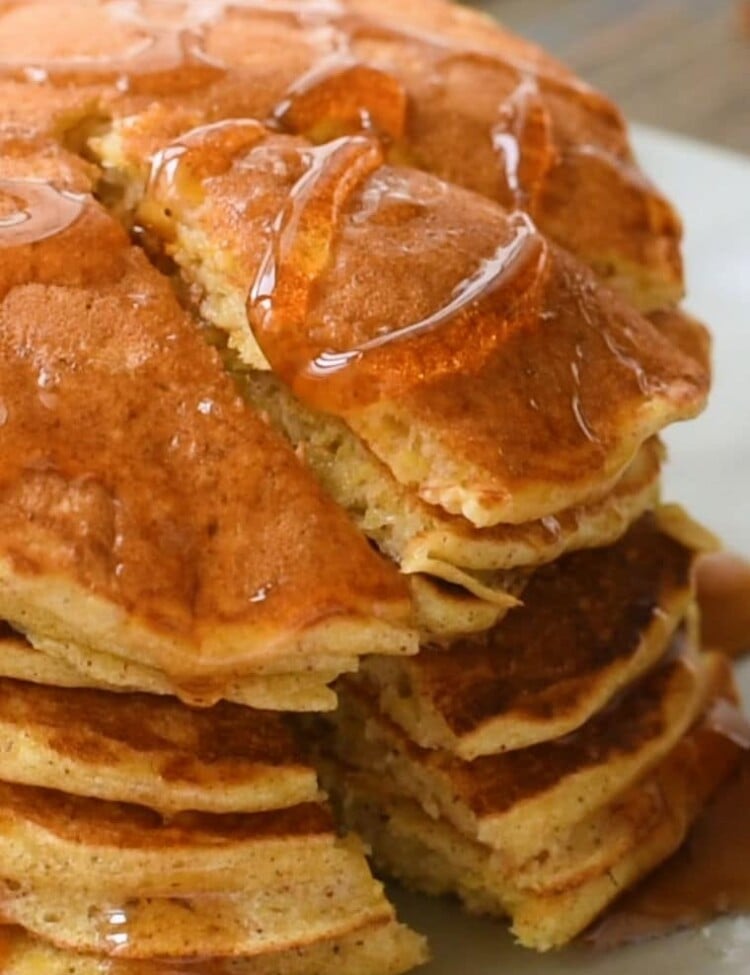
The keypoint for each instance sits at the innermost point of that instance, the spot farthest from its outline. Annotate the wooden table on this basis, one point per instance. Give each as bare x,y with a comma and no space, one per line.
682,65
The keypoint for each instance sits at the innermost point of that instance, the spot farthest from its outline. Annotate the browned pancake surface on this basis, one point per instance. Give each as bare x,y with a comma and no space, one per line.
134,470
449,91
583,619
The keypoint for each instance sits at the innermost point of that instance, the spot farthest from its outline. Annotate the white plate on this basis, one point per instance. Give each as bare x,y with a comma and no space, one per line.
710,473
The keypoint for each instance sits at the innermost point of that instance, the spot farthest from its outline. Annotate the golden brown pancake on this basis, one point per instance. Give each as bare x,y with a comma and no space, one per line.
590,624
276,692
517,801
118,851
707,877
425,539
444,88
554,898
139,502
387,348
380,949
119,880
152,751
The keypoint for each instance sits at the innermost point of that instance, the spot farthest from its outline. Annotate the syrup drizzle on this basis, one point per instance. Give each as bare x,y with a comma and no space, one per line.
44,211
300,252
163,48
491,275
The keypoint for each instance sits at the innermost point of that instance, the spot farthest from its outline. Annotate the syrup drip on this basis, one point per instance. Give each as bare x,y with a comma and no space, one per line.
233,135
522,138
45,211
304,234
292,272
345,95
345,89
723,582
491,275
163,49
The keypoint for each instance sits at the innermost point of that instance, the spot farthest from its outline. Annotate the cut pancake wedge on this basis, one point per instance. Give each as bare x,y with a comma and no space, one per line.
392,357
515,801
139,499
590,624
567,882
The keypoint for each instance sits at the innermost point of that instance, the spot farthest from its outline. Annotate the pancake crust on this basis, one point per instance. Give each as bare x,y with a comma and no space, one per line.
591,623
386,348
517,800
275,692
162,542
447,90
380,949
153,751
602,856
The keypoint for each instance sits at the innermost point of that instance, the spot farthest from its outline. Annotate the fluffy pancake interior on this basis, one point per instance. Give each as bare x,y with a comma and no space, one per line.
515,801
604,854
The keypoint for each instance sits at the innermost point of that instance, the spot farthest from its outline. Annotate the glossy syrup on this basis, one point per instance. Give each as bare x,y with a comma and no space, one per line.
292,276
42,211
163,48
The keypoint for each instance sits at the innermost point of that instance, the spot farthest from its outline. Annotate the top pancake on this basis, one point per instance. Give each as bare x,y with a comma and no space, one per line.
145,508
403,304
448,91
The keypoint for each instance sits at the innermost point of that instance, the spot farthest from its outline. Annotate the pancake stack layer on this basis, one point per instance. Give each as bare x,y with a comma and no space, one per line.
331,328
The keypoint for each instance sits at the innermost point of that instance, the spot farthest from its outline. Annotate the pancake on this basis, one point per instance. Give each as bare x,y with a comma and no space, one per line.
386,348
118,880
162,542
553,899
424,538
267,920
444,88
116,850
591,623
517,801
276,692
153,751
381,949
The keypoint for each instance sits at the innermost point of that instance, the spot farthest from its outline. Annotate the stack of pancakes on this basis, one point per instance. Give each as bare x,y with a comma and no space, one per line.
331,327
158,537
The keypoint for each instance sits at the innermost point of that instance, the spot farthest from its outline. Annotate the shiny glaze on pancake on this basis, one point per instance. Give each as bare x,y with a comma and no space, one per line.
444,88
391,299
581,614
134,469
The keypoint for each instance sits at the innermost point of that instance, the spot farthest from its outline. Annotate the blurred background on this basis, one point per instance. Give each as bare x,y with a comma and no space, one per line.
682,65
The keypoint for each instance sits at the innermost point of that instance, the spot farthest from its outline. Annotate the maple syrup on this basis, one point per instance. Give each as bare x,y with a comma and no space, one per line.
42,211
